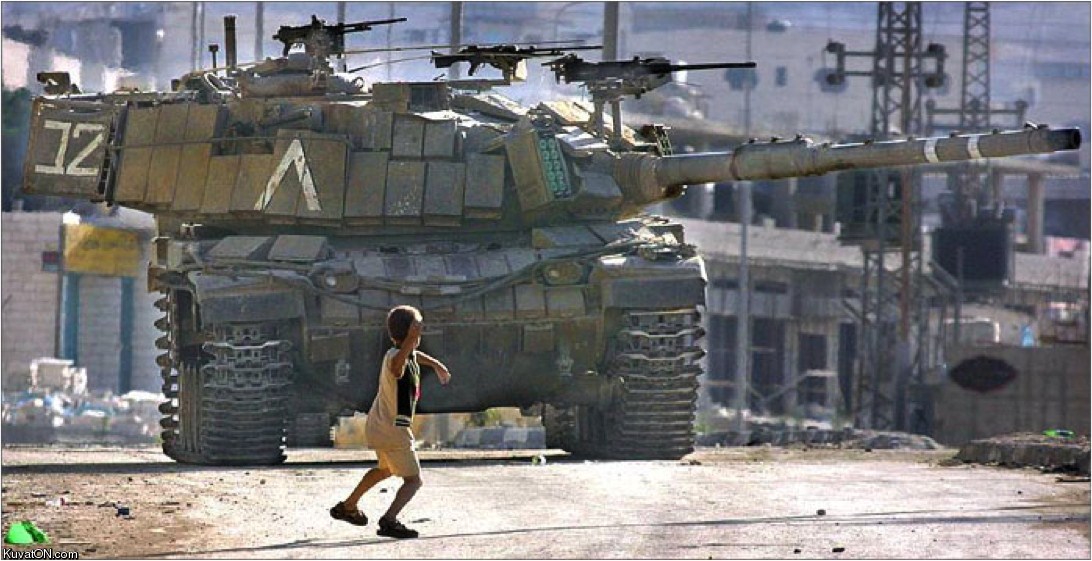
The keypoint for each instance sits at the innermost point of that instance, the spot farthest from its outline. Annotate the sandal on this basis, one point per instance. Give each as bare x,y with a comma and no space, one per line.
354,517
395,529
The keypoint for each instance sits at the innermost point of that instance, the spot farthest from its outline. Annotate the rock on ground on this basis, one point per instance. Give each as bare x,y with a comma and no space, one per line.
1030,450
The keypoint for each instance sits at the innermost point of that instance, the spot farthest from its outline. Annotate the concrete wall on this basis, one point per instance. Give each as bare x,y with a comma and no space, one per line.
1051,390
99,330
29,294
30,306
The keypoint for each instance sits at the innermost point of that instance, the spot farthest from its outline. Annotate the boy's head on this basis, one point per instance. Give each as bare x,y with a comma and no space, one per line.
399,320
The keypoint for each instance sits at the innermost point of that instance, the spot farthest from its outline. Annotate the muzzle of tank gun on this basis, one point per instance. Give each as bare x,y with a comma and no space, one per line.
647,179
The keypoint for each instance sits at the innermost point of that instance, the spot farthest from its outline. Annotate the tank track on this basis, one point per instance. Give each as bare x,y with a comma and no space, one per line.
655,356
228,403
245,395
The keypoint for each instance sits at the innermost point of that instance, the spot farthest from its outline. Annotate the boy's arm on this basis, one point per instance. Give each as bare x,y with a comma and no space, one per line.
398,361
441,370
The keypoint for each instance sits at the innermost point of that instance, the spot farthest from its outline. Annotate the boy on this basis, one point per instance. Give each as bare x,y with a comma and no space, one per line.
388,425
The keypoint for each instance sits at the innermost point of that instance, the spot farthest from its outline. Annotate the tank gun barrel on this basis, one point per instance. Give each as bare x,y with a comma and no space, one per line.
654,177
709,66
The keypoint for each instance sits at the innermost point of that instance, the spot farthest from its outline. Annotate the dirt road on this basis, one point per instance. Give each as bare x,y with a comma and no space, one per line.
724,503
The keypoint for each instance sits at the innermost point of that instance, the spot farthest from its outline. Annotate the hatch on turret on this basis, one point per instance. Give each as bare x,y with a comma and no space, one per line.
412,96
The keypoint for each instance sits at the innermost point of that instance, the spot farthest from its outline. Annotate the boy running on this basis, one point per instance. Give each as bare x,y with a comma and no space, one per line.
388,425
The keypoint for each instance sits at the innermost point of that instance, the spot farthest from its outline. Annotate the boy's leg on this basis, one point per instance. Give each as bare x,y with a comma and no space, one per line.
409,488
370,479
405,465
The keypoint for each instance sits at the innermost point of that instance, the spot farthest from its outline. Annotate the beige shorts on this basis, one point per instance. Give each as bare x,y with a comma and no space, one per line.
402,463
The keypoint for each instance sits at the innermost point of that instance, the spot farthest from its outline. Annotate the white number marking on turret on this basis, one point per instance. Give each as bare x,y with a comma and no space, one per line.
73,168
292,157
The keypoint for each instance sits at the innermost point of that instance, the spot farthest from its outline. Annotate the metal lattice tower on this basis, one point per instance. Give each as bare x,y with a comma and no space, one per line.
894,66
974,113
974,100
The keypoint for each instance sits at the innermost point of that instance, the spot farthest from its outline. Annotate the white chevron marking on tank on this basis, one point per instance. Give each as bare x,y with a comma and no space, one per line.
294,156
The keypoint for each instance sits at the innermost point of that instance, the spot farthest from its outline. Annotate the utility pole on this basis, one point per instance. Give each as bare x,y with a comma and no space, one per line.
747,83
390,28
456,36
610,30
341,19
259,30
743,309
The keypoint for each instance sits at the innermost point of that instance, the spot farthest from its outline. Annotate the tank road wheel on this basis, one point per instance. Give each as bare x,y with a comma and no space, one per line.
655,357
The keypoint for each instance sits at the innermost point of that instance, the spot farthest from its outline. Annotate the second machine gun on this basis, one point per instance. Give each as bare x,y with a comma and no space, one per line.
610,81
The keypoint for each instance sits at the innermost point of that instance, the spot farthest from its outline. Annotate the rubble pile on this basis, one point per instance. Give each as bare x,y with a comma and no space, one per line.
58,375
1050,453
47,417
716,427
785,435
51,404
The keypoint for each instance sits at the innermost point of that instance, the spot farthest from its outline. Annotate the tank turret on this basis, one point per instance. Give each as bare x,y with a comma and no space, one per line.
296,205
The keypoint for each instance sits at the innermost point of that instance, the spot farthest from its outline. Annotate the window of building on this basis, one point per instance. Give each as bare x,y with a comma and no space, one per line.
781,76
740,78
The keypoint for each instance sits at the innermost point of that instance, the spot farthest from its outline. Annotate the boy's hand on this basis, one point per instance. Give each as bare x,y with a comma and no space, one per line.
443,374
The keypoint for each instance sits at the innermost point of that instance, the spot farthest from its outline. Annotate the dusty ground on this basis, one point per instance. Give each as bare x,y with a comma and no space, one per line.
741,503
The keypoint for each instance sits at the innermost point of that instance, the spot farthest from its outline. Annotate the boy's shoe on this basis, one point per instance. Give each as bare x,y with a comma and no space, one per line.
354,517
395,529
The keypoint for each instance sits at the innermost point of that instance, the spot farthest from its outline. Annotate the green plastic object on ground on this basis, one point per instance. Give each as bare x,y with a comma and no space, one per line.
18,535
1059,433
25,533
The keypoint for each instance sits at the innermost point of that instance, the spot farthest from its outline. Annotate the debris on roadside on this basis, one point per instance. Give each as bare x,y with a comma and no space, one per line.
813,434
1070,454
55,407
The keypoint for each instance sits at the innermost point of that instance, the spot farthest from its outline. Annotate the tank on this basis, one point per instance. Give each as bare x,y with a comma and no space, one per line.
296,205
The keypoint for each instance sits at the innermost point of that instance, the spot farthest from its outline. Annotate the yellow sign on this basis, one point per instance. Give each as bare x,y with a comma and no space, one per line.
101,251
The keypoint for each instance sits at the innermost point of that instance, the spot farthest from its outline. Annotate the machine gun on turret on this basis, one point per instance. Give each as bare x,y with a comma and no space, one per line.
509,59
610,81
321,40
